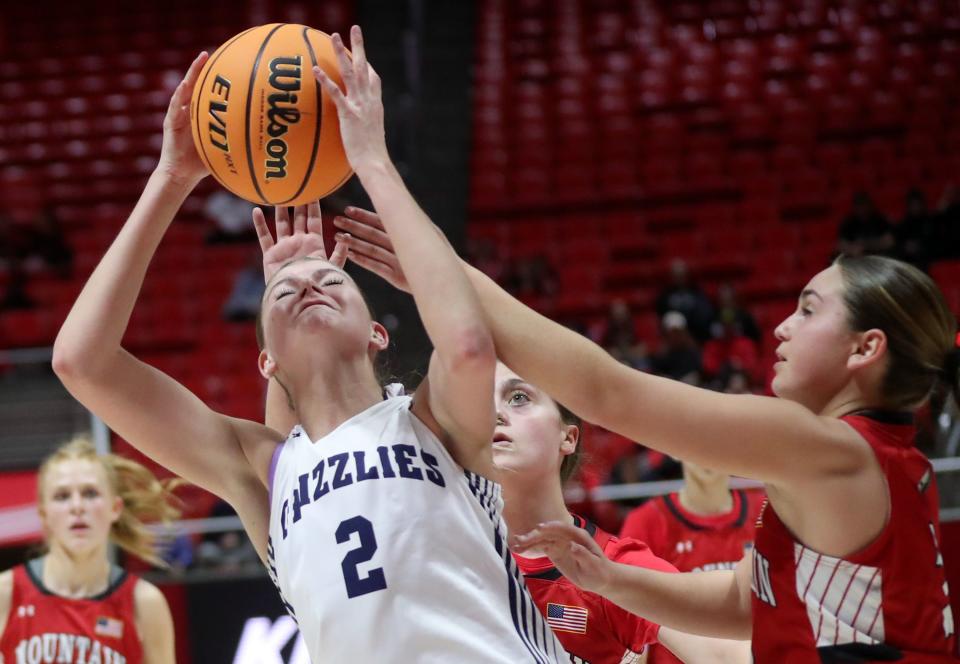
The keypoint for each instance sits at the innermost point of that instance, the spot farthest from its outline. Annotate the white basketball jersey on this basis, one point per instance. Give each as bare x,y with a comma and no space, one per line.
385,550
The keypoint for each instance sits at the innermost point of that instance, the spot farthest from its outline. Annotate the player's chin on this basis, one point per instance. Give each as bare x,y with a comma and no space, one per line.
504,461
780,384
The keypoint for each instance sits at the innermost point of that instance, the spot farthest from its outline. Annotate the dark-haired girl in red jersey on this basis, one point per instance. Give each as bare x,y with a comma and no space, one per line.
72,605
536,446
847,562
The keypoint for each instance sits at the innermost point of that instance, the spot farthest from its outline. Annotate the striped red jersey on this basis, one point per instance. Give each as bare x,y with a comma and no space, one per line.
887,602
693,542
593,629
43,627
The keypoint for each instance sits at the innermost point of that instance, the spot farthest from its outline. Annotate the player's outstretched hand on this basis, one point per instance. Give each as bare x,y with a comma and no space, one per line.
360,109
369,246
303,238
178,156
572,550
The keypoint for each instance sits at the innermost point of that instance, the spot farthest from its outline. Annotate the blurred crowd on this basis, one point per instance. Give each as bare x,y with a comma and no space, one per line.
922,236
29,248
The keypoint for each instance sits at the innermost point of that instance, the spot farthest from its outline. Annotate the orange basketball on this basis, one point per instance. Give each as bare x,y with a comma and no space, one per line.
261,121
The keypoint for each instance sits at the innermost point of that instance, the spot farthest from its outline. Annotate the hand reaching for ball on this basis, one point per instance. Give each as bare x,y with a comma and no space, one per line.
304,238
360,110
178,157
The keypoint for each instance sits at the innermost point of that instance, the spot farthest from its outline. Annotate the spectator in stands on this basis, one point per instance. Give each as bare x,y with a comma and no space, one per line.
865,230
178,554
679,355
619,336
727,305
16,296
11,258
688,299
531,277
737,383
47,244
229,551
948,224
730,350
230,216
482,253
244,300
916,232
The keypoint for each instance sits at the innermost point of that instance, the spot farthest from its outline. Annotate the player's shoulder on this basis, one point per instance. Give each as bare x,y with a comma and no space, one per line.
147,597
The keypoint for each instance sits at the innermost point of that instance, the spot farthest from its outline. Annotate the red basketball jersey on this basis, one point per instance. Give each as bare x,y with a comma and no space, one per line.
887,602
693,542
591,628
43,627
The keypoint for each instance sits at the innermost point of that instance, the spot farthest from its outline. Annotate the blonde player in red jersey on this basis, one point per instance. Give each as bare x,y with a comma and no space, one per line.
847,561
702,527
73,605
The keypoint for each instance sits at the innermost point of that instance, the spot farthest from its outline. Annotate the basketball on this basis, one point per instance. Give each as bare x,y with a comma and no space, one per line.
260,120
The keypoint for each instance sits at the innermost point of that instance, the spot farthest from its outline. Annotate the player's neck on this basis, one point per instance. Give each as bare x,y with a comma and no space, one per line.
526,506
332,397
76,576
706,498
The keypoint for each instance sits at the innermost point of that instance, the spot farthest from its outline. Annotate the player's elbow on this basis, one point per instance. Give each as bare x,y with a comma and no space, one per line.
472,350
65,361
72,363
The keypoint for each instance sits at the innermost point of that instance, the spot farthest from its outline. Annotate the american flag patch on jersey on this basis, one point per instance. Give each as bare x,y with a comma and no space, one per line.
109,627
563,618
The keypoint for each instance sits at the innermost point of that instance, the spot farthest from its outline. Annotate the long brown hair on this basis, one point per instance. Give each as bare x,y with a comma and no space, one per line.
145,498
921,331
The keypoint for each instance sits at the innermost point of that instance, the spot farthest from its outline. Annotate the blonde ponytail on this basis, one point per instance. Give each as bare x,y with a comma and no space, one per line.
145,498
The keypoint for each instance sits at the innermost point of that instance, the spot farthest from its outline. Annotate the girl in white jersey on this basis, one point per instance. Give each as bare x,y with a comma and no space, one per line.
365,488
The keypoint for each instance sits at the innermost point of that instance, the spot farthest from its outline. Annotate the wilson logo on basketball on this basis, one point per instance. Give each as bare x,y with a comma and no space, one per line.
218,118
285,77
262,123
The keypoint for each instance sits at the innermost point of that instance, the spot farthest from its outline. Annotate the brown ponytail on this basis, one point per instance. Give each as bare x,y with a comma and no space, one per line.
950,373
145,498
921,331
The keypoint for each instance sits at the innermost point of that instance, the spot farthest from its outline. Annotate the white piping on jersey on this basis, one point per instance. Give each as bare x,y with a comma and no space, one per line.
542,646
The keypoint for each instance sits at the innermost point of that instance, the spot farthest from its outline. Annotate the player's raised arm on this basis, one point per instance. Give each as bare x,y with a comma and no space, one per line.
752,436
144,406
460,379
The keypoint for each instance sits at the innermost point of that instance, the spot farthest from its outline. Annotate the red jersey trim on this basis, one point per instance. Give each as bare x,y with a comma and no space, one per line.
715,521
551,573
112,588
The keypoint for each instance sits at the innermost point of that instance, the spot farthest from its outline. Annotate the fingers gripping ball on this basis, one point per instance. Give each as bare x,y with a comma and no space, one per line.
262,123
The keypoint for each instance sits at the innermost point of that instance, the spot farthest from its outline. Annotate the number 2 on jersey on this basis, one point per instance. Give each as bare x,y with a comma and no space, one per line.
374,580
